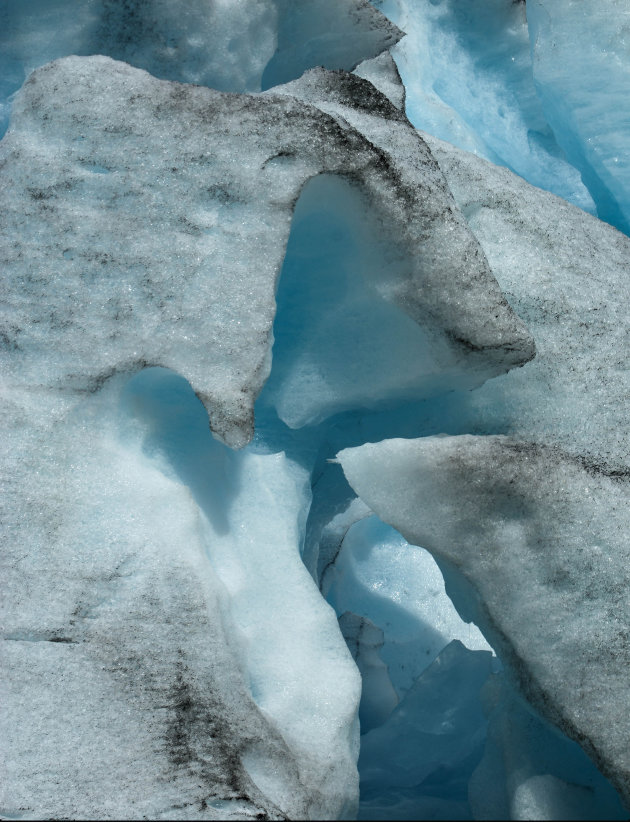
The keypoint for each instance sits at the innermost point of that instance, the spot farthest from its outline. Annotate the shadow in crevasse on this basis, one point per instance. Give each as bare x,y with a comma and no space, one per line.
174,427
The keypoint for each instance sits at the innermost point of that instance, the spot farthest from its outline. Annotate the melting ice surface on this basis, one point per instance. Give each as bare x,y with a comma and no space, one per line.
275,583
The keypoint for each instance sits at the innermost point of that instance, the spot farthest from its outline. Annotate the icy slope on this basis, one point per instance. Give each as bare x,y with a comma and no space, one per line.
229,45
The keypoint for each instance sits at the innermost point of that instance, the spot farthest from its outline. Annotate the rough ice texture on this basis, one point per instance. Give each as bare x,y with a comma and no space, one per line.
135,235
229,45
467,69
448,284
383,73
120,682
581,63
145,225
568,276
536,522
542,541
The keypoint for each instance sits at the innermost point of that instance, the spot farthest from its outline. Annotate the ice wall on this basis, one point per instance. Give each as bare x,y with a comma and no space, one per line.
581,61
539,87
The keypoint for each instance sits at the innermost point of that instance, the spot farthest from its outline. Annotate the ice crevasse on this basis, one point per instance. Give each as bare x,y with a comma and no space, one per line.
315,465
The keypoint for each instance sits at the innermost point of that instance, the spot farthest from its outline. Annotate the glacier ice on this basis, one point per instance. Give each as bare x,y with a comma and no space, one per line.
229,45
172,236
566,501
147,599
432,739
581,63
498,115
186,613
531,771
566,274
136,245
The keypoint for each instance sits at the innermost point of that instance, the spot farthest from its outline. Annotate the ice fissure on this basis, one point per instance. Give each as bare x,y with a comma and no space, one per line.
304,407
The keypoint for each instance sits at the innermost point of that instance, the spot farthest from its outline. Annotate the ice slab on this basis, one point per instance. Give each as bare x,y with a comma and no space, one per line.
134,235
539,545
383,73
378,576
326,33
352,274
568,276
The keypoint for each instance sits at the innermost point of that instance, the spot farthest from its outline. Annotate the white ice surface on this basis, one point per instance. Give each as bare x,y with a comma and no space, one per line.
134,235
158,627
121,680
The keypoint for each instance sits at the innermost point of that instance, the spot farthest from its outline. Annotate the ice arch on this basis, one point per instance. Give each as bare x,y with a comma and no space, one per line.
339,343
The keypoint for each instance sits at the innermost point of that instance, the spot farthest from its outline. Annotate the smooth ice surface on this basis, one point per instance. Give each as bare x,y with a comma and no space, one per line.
581,62
399,588
467,71
418,764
